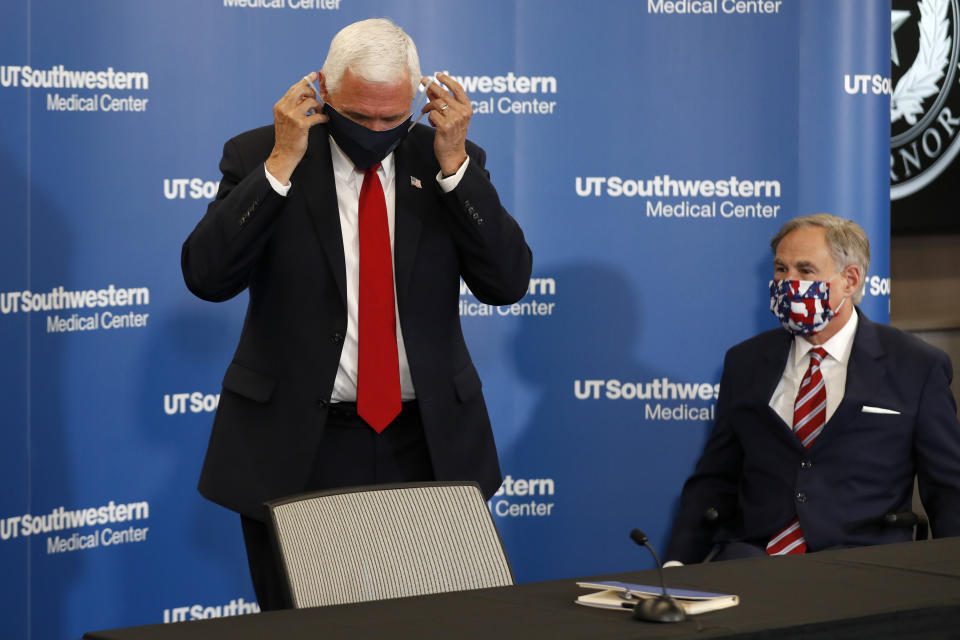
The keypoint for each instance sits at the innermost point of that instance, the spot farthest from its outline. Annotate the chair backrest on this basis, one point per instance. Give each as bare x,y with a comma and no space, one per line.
387,541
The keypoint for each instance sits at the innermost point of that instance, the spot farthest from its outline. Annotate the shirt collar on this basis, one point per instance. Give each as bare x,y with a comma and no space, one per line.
838,347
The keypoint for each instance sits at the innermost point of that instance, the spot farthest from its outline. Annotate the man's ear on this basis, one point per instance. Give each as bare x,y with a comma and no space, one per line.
852,278
322,84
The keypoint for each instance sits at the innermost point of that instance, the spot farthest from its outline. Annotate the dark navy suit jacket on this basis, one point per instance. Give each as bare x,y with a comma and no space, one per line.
288,252
755,471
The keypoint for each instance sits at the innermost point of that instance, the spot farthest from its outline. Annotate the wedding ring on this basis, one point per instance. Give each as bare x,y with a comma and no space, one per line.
444,107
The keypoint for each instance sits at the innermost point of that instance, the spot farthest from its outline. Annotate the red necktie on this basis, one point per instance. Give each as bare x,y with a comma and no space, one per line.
809,416
378,368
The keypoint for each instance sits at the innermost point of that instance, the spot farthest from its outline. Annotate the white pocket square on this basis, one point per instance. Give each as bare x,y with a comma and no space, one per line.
868,409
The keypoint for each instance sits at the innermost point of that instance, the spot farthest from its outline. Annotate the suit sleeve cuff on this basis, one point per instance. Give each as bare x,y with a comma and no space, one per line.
450,183
279,188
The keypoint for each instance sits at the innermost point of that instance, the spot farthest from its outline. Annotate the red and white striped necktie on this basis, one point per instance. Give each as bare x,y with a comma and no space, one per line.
809,416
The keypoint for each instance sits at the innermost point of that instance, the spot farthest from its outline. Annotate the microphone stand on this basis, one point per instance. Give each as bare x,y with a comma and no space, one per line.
663,608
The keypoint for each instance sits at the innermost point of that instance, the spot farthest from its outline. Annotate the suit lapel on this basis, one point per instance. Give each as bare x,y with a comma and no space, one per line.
865,375
408,207
314,177
768,377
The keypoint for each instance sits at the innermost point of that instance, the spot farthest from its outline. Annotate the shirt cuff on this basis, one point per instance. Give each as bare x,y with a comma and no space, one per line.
672,563
450,183
279,188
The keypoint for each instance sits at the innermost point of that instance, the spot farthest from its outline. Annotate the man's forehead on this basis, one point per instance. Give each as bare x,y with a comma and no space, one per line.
807,245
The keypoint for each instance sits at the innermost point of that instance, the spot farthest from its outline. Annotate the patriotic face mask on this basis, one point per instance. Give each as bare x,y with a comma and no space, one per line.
802,306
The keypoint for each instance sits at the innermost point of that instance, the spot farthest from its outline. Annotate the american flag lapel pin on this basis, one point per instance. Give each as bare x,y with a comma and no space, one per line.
415,182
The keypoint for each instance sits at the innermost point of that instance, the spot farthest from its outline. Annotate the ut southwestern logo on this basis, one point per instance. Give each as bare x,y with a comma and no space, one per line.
192,188
925,104
60,520
504,502
327,5
236,607
196,402
876,286
479,89
663,399
729,7
538,301
690,199
862,83
59,77
64,301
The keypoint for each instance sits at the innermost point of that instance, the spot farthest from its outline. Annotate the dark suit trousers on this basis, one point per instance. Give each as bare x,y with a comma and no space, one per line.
350,454
739,551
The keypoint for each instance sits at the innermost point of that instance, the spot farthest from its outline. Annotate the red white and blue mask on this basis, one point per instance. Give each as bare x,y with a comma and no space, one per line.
802,306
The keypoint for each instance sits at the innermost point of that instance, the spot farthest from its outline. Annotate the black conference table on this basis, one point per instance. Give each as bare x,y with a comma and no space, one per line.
893,591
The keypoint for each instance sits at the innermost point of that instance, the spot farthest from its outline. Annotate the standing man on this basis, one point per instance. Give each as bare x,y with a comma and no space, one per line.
351,231
822,427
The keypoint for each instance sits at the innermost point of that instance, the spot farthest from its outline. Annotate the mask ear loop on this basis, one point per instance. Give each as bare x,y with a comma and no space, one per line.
316,90
418,104
842,300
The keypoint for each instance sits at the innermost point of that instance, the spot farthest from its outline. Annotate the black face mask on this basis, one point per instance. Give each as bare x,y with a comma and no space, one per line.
365,147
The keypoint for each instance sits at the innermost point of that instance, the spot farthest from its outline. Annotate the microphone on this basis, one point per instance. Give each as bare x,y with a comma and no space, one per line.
663,608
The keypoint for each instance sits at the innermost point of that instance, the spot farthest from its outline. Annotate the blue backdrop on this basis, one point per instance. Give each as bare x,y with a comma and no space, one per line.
649,150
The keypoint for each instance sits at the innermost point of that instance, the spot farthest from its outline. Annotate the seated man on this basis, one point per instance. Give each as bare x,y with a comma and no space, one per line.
821,428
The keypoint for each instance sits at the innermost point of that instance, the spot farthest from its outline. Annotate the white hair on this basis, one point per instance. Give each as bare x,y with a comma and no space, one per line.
377,50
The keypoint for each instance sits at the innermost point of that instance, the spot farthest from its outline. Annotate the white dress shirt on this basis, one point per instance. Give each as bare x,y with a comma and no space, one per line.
348,181
833,369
